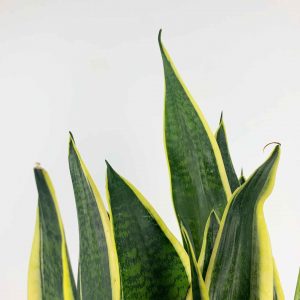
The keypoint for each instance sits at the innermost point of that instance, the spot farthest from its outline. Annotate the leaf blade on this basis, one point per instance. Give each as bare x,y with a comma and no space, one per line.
152,262
50,274
247,271
198,178
221,138
97,247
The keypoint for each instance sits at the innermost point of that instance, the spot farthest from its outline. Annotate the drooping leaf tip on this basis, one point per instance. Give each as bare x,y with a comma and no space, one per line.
271,143
159,36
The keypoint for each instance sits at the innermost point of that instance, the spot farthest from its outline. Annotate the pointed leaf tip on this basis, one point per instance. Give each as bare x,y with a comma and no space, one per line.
109,167
160,41
276,150
221,117
71,135
271,143
159,35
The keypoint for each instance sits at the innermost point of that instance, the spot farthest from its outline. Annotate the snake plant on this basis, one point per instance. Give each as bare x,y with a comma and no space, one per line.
127,252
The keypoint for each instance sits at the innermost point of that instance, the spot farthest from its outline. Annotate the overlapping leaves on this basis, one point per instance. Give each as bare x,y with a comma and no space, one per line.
129,253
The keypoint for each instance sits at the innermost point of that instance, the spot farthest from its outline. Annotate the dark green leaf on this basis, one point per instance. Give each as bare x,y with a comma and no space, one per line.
241,265
223,145
153,264
98,274
50,273
198,177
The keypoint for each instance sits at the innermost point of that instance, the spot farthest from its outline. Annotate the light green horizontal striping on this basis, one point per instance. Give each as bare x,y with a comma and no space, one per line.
242,265
198,178
51,248
223,145
149,264
94,271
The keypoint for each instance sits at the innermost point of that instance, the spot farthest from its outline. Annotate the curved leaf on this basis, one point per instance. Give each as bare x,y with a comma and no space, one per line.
98,271
223,145
153,264
241,265
50,274
198,178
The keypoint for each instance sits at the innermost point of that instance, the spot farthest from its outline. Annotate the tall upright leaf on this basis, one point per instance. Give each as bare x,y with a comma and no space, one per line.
198,177
50,274
241,265
98,272
223,145
153,264
210,235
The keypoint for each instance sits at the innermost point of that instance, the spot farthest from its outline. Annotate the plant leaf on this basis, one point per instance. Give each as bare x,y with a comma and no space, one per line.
241,266
198,177
210,234
223,145
198,288
297,291
98,263
153,264
50,274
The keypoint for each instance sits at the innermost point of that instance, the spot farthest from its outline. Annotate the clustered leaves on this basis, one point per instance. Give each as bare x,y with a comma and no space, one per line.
129,253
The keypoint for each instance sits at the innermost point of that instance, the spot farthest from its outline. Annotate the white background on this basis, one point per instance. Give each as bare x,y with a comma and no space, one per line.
94,67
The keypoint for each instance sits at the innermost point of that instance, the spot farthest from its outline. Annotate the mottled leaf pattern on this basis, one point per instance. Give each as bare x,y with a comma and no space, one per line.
241,265
129,253
153,264
98,274
223,145
198,177
50,274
